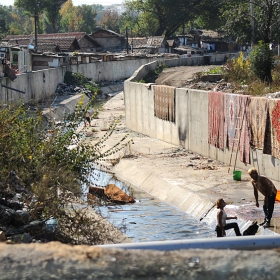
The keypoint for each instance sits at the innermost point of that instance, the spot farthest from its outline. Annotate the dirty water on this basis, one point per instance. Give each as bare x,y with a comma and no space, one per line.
149,219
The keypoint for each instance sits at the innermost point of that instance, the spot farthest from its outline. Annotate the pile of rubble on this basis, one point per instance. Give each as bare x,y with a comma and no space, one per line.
19,214
64,89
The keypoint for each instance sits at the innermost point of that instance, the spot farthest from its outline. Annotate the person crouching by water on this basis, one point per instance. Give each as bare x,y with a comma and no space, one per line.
222,226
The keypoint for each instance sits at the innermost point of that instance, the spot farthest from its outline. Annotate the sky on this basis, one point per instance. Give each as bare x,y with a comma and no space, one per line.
75,2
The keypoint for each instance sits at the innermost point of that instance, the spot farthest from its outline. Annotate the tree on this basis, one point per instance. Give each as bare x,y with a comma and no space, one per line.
51,10
237,22
3,23
261,61
209,16
263,15
86,18
110,20
18,22
140,24
168,16
33,8
69,20
52,171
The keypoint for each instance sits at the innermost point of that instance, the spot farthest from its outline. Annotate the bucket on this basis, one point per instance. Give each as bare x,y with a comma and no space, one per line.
278,196
237,175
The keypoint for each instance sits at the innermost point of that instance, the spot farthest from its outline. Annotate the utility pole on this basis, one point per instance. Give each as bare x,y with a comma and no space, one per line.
184,33
35,22
126,40
131,40
252,2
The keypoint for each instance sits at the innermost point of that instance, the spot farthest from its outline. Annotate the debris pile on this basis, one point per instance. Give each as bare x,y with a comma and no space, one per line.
110,193
19,214
64,89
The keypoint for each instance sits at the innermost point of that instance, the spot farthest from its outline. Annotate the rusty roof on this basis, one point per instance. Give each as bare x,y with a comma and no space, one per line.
155,41
106,32
65,43
138,41
77,35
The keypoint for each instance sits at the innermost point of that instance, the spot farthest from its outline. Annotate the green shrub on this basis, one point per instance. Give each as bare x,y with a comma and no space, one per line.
238,70
261,62
93,87
50,170
75,78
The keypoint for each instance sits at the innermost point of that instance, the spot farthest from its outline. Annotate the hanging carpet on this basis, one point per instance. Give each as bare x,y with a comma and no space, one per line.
216,119
164,102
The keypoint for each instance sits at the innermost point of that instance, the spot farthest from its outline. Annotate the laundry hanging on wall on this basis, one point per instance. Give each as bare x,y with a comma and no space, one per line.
258,109
244,124
164,102
216,119
274,114
231,115
237,124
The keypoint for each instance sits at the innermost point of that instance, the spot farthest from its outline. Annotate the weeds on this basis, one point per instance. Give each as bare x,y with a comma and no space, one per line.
51,171
153,75
240,72
216,70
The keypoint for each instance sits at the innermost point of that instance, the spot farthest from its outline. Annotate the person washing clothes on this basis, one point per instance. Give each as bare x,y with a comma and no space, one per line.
263,185
222,226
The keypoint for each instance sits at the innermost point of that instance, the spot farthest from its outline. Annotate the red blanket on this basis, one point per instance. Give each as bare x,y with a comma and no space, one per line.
216,119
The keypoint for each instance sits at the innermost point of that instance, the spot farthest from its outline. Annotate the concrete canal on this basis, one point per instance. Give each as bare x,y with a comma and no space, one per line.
149,219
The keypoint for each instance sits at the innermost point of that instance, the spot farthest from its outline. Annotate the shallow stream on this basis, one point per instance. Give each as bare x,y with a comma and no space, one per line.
149,219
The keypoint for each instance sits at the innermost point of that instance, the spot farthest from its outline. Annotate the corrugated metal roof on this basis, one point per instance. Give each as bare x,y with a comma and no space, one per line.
155,41
77,35
105,31
138,41
65,43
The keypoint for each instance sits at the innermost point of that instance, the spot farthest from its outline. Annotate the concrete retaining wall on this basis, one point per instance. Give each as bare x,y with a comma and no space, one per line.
190,129
40,85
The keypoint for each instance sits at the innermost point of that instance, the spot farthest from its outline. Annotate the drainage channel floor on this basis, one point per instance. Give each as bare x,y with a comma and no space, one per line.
149,219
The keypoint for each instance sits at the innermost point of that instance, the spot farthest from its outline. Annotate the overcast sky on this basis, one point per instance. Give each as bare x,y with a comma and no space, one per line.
75,2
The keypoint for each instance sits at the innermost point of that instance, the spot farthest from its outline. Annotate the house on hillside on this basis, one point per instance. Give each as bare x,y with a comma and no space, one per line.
212,41
215,41
185,39
137,43
150,45
88,44
187,51
173,43
9,55
56,42
46,42
158,44
109,40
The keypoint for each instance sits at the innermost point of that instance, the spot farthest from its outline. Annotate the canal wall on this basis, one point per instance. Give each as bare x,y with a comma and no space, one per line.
41,85
190,128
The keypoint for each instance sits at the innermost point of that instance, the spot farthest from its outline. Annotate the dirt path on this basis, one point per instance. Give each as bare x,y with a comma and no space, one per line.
180,76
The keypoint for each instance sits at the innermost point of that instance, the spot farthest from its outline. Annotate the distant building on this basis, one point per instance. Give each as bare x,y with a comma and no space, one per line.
118,8
109,40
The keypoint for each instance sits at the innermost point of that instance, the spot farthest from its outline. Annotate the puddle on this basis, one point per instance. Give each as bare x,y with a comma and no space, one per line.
149,219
